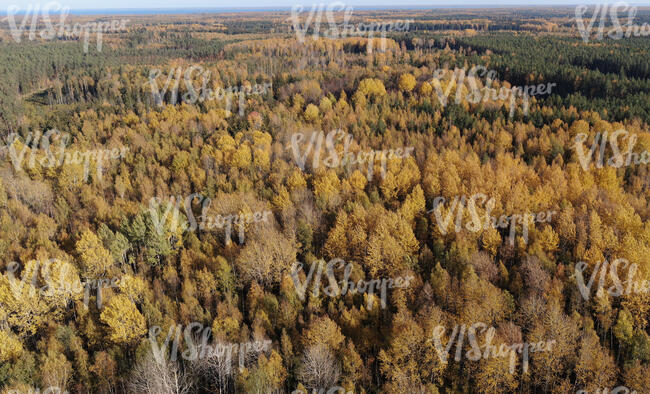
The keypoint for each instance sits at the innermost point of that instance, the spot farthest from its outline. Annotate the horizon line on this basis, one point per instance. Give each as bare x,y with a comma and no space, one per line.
367,7
171,11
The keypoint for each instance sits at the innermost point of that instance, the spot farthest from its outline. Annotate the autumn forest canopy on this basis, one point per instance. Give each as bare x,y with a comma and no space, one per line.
236,203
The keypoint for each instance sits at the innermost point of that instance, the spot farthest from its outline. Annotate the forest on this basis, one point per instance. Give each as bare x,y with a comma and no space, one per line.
209,204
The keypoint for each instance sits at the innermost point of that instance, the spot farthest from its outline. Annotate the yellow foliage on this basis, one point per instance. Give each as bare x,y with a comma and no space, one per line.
95,259
296,181
125,322
414,204
311,113
281,200
358,180
324,331
426,89
242,157
325,105
133,287
62,281
372,87
43,292
548,239
226,143
406,82
491,240
326,185
10,347
261,159
262,139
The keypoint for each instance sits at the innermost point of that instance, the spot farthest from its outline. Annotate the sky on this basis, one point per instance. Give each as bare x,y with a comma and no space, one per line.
205,4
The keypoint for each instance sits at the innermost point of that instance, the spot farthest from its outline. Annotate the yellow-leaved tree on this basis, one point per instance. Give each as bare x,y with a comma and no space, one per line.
311,113
95,259
42,292
10,346
372,87
125,322
406,82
